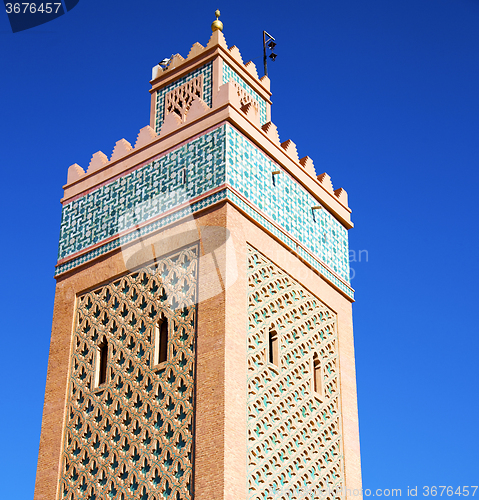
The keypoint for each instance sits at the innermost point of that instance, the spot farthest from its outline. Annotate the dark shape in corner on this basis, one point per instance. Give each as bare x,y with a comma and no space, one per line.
32,14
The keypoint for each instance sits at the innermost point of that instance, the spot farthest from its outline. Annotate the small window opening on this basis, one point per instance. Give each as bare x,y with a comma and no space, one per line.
273,345
102,362
161,341
317,375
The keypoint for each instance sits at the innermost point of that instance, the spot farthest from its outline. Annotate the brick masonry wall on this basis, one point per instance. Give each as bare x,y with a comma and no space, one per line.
220,434
250,233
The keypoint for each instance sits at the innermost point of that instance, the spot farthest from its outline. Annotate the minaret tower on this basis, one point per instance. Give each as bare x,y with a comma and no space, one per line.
202,342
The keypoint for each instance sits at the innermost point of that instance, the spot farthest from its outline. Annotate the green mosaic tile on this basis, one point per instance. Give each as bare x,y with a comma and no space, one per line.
144,231
291,244
179,176
287,203
222,156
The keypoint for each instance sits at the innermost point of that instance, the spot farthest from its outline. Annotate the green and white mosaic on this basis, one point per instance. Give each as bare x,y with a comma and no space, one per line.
218,159
163,184
286,202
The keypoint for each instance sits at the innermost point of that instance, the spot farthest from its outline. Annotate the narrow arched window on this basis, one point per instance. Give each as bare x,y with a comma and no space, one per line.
161,341
273,347
317,375
102,362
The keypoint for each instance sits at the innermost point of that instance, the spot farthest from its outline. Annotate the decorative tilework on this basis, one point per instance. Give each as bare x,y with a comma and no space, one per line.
144,193
132,436
160,95
294,412
143,231
291,244
230,74
219,158
249,171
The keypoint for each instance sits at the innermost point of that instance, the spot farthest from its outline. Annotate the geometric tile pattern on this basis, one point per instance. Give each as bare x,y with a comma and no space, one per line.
143,231
290,243
175,178
294,432
230,74
132,437
220,158
205,71
286,202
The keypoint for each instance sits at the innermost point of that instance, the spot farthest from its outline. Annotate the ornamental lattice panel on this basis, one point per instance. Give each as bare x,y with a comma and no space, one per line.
132,437
294,425
179,100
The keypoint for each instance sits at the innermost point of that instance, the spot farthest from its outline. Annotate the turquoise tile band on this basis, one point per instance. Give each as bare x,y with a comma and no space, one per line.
199,170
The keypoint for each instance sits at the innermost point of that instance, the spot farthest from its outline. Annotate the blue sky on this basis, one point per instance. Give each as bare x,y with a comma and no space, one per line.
382,94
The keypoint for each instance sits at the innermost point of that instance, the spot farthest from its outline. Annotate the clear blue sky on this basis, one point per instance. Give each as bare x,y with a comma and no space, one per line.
382,94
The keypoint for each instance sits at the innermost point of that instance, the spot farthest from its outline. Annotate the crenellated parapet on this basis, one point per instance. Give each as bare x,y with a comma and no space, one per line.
101,162
190,89
192,110
203,92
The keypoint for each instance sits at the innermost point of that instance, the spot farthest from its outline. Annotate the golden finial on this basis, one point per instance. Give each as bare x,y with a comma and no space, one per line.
217,24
